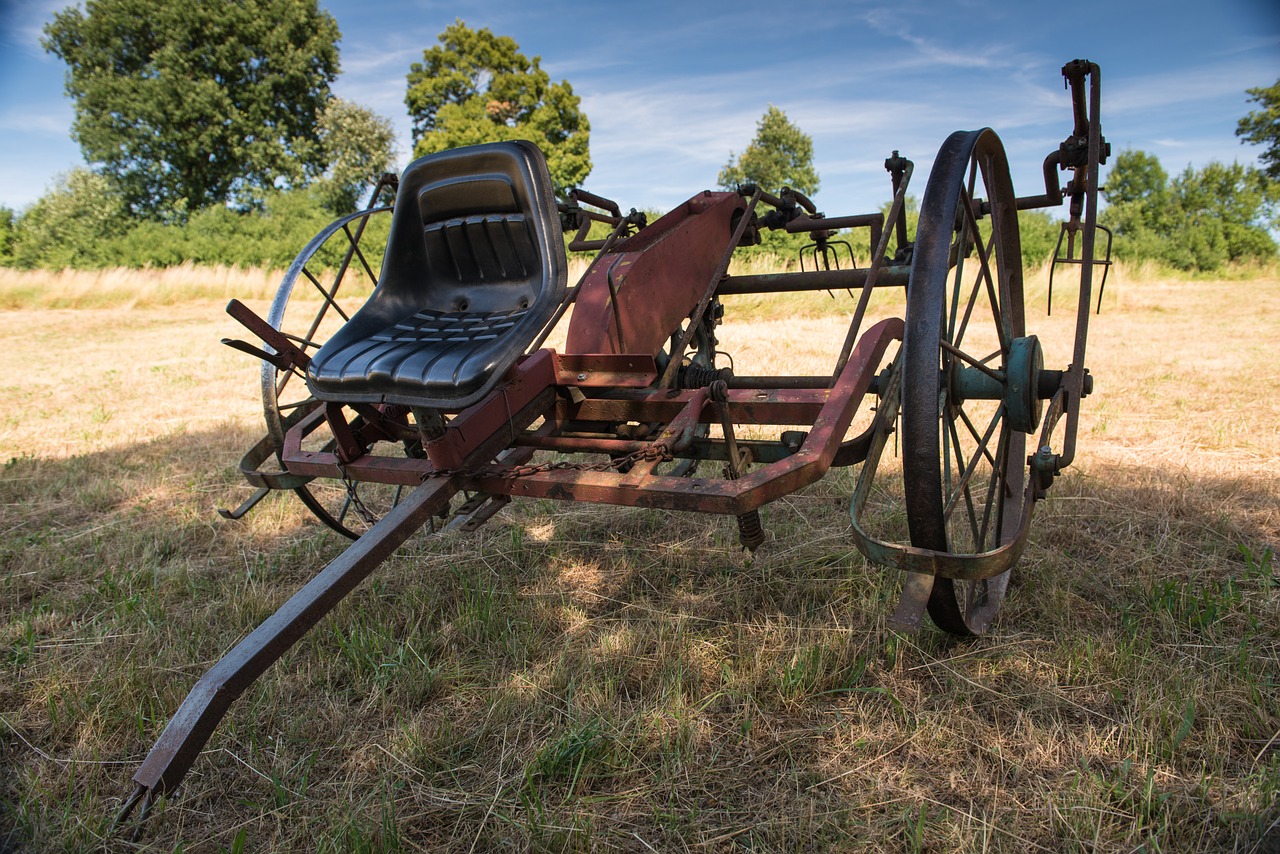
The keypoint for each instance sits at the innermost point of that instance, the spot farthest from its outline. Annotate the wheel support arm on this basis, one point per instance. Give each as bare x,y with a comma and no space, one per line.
178,746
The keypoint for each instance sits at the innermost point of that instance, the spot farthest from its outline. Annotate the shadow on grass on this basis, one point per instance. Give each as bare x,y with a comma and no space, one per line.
577,675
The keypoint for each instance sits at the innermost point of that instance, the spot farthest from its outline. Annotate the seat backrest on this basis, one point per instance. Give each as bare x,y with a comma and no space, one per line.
476,230
474,268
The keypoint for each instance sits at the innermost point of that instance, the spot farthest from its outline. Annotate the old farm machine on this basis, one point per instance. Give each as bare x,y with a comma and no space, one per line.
435,401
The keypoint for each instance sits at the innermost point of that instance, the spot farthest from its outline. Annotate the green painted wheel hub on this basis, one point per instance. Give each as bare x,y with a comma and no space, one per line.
1021,399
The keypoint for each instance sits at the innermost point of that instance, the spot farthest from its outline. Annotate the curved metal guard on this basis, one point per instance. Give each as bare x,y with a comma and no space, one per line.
910,558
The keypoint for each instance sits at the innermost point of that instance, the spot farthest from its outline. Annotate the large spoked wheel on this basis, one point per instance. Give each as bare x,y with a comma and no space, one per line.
331,278
963,443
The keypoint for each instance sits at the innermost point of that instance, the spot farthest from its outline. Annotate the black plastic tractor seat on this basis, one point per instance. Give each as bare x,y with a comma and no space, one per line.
475,266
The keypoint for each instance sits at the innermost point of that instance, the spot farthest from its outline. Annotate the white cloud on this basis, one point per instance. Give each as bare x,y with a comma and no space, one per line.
24,121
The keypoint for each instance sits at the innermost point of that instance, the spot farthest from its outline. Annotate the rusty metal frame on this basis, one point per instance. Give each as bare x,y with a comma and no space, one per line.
830,411
618,395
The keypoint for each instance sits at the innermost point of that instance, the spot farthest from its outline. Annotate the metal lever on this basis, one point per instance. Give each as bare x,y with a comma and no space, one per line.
750,531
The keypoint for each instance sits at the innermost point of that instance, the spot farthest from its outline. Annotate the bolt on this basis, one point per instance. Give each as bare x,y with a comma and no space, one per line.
582,376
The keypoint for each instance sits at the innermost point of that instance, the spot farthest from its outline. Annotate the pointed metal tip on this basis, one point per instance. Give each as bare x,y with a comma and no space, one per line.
141,794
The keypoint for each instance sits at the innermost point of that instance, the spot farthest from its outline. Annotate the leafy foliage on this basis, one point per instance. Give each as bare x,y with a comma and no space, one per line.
1200,220
1038,232
73,225
82,223
187,105
780,155
477,87
1262,126
358,145
8,234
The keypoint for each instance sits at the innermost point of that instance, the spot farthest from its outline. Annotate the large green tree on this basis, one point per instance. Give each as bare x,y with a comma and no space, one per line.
357,145
1200,220
781,155
477,87
185,105
1262,127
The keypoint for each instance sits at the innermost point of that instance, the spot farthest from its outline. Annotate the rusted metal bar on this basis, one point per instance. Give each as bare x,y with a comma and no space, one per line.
751,406
764,382
189,729
529,378
1074,381
732,497
901,171
579,195
813,280
604,370
874,220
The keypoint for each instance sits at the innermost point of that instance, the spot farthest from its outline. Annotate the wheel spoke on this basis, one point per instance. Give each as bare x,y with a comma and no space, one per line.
980,364
984,273
978,454
946,449
328,299
305,342
963,488
1002,454
982,445
355,245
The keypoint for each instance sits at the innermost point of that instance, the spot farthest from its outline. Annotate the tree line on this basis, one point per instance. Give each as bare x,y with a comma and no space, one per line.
213,137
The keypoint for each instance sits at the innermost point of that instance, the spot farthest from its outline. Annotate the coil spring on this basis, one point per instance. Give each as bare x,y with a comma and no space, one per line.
750,531
697,376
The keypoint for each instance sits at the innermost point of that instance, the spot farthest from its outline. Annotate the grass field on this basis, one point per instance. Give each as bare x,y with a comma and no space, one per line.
589,678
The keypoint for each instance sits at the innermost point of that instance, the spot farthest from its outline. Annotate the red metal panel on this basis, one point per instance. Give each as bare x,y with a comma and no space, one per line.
605,370
528,377
638,293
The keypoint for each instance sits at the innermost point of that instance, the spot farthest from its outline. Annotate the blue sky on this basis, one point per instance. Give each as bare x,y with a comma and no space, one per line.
672,88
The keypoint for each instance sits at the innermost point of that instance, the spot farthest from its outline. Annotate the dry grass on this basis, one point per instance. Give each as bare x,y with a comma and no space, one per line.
591,678
121,287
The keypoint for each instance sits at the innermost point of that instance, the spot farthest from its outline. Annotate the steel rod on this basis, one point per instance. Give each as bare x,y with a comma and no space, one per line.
812,280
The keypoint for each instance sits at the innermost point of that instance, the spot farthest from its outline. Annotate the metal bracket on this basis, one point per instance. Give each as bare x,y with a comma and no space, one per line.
917,560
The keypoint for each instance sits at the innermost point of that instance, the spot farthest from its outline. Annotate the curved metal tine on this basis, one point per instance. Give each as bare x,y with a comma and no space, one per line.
141,794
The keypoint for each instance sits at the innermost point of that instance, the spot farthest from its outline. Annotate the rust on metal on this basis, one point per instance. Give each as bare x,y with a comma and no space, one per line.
638,400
